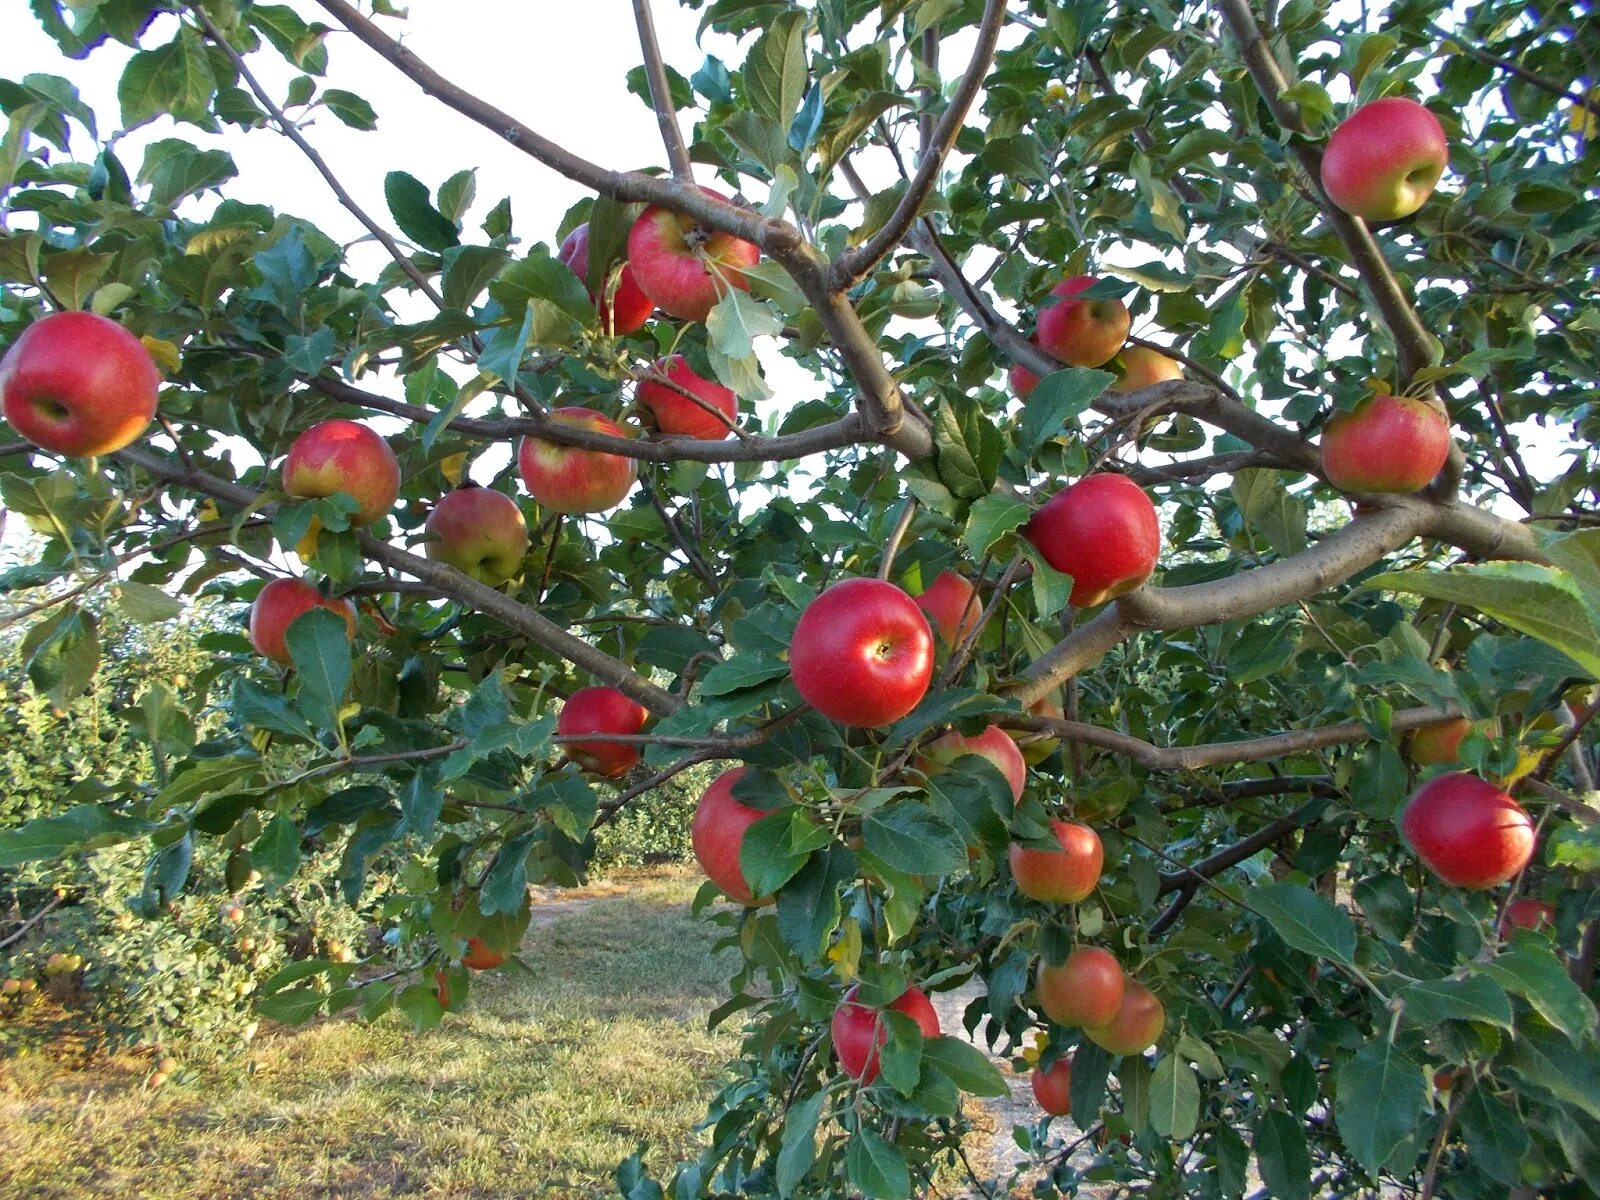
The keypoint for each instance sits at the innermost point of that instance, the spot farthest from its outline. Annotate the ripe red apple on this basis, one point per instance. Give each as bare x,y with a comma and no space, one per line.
1438,743
1083,991
479,531
344,456
1137,1026
1063,876
1143,367
717,834
276,607
858,1031
1022,380
951,605
1467,832
684,271
1384,160
1387,443
1444,1078
1082,333
1527,913
628,308
1037,749
78,384
569,479
862,653
479,957
1053,1088
993,744
1103,531
441,988
709,416
601,710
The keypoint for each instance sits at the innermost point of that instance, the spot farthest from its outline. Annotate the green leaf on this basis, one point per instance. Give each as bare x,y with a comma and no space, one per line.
740,672
501,357
1267,508
258,708
798,1149
174,79
808,906
1531,970
737,320
1544,1059
420,1003
174,169
204,776
964,1065
1543,602
968,448
775,72
1059,397
1090,1067
1133,1076
1495,1135
990,519
912,838
293,1006
900,1059
877,1168
1475,998
1381,1093
505,887
1306,921
350,108
467,271
414,212
319,646
86,827
768,857
1282,1155
276,853
1052,590
1174,1099
421,801
62,654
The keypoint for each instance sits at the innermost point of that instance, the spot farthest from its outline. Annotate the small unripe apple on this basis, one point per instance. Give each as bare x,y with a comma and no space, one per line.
858,1031
78,384
1103,531
1063,876
628,308
479,957
279,604
1137,1025
952,607
721,821
570,479
344,456
1467,832
168,1066
1083,991
233,914
685,279
993,744
601,710
709,415
1082,333
1438,743
1527,913
10,987
478,531
1053,1088
1384,160
1387,443
862,653
1144,367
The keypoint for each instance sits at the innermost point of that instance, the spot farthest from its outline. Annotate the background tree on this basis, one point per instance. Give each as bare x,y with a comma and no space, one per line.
917,179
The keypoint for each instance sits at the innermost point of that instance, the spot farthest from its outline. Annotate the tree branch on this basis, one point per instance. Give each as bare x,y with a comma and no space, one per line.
1549,86
661,93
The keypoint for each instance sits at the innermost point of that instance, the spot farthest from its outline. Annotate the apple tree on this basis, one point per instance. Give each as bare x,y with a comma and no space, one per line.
1219,379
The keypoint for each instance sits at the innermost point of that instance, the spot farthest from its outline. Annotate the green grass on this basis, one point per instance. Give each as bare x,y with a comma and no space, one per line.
537,1088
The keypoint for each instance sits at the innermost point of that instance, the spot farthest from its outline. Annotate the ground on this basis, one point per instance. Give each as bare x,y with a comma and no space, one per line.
538,1088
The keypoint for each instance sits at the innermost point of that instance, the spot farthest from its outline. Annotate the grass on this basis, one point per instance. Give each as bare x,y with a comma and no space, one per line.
537,1088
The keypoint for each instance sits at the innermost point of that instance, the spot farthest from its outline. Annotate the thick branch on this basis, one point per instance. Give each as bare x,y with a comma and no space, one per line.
448,581
661,93
855,264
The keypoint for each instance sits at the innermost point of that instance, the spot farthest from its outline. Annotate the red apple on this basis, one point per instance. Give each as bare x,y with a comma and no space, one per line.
1527,913
628,307
993,744
1444,1078
683,269
1144,367
1063,876
1053,1088
569,479
686,404
862,653
1102,531
858,1031
276,607
951,605
1387,443
1082,333
1037,749
1384,160
1467,832
1086,990
479,531
479,957
441,988
78,384
717,834
601,710
1022,380
1438,743
1136,1027
344,456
